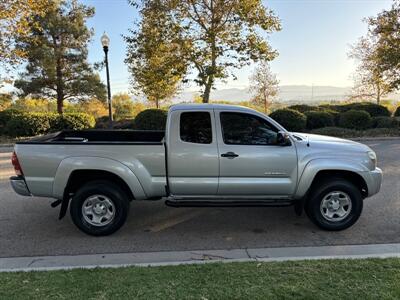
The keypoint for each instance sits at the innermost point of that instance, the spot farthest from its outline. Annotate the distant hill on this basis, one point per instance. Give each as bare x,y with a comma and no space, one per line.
288,93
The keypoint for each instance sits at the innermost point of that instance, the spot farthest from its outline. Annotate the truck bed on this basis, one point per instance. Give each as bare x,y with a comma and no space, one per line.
134,153
152,137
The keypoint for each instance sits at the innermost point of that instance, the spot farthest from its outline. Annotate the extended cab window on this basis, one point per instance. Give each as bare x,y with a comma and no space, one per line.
246,129
195,127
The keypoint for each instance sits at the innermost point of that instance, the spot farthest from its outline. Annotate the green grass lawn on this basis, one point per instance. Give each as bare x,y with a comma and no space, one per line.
322,279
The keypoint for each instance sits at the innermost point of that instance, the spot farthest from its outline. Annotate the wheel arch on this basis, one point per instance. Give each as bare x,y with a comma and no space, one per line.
350,176
82,176
319,169
75,171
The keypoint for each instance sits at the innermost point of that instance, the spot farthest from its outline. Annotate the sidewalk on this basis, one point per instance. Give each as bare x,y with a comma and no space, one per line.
44,263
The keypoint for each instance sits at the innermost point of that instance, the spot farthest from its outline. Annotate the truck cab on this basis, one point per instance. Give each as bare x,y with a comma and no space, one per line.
227,152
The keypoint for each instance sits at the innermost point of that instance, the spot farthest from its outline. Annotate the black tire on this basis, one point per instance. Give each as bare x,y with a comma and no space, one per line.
113,193
317,195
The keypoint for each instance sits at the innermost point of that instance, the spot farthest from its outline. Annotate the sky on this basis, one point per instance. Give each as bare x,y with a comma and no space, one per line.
313,44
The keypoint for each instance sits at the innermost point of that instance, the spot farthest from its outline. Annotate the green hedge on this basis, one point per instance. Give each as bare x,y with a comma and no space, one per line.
103,123
72,121
373,109
151,119
31,124
291,119
352,133
384,122
303,108
336,132
355,119
318,119
5,117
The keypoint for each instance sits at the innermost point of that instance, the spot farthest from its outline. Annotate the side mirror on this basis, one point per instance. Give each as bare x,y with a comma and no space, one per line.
282,139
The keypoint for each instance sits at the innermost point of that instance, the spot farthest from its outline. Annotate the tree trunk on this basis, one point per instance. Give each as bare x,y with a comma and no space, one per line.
59,103
207,90
265,105
211,73
157,103
60,91
59,80
378,96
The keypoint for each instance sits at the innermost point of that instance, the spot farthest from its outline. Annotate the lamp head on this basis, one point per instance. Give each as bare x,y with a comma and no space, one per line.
105,40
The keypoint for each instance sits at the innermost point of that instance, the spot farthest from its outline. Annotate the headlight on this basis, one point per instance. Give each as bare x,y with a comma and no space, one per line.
372,157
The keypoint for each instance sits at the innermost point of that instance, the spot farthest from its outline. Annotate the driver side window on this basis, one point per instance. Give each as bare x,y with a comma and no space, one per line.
247,129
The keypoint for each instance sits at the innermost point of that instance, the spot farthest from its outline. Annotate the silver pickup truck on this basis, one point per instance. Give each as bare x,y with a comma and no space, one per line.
209,155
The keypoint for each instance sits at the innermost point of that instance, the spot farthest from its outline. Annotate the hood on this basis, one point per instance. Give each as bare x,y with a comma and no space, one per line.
331,143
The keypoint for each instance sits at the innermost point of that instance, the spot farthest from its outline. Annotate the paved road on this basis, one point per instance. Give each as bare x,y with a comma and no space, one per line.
29,226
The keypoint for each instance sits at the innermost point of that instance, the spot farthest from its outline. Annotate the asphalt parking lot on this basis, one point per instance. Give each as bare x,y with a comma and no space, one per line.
30,227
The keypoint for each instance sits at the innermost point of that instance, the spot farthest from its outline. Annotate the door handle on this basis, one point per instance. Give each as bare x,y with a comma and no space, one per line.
229,155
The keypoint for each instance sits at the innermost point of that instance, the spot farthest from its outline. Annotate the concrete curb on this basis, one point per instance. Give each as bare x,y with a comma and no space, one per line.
46,263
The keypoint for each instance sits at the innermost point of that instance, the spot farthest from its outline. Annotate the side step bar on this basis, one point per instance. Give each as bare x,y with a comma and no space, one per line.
228,203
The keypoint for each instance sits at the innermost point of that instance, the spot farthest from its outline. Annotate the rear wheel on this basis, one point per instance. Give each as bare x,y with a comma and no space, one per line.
334,204
99,208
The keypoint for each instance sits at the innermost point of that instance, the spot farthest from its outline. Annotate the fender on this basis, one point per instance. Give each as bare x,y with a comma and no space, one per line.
324,164
70,164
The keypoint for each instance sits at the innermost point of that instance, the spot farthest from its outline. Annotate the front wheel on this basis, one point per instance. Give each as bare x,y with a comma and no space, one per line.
99,208
335,204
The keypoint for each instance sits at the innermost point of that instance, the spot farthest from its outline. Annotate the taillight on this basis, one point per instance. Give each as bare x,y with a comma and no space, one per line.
15,163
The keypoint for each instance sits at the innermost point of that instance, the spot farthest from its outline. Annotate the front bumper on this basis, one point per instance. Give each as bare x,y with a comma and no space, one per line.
19,186
375,181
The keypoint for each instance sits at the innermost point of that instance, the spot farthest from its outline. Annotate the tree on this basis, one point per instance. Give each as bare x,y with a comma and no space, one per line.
34,105
92,106
5,101
383,33
263,85
17,18
57,56
370,81
154,54
124,107
220,35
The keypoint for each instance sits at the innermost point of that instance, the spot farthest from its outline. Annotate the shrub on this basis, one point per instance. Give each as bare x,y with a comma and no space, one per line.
351,133
397,112
318,119
384,122
336,132
29,124
72,121
151,119
291,119
335,115
5,117
125,124
102,123
303,108
334,107
374,132
355,119
373,109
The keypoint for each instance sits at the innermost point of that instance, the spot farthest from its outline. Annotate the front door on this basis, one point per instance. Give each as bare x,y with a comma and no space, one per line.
251,162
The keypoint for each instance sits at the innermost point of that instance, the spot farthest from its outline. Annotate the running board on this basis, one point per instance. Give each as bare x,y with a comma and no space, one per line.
228,203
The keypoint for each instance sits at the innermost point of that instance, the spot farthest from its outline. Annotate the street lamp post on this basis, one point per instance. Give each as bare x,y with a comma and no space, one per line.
105,41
